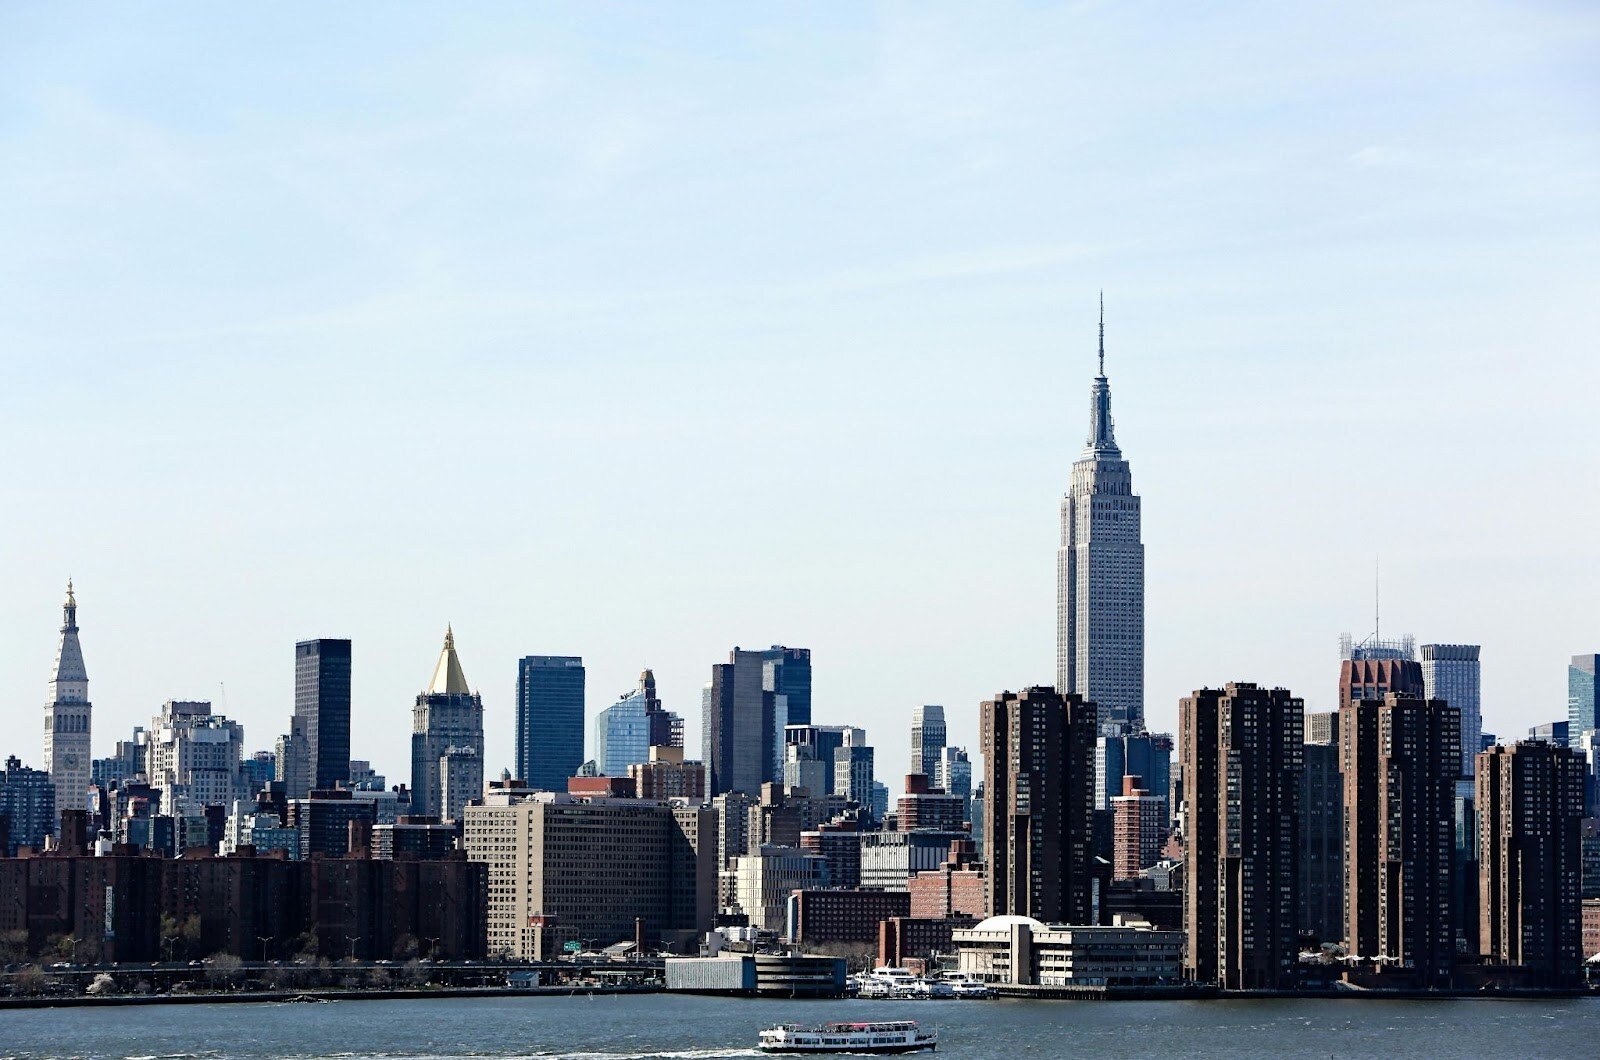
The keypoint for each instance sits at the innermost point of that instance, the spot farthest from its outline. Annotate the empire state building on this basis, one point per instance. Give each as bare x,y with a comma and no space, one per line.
1100,573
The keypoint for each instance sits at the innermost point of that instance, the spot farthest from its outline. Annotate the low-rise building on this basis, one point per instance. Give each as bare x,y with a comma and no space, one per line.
954,889
1021,951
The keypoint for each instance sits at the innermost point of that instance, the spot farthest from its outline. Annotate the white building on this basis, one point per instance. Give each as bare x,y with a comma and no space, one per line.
1100,573
763,881
195,757
1021,951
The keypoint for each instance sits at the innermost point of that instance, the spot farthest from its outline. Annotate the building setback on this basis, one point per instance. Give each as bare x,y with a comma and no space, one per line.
446,739
1241,773
1100,573
67,718
1530,821
550,690
1400,759
1038,777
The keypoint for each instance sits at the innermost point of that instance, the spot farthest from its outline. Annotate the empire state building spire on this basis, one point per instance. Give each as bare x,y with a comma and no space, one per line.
1100,572
1102,436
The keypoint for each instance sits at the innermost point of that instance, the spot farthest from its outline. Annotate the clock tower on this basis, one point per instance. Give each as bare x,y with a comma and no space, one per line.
66,717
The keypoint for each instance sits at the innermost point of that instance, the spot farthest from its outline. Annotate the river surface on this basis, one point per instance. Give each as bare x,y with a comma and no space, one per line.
650,1026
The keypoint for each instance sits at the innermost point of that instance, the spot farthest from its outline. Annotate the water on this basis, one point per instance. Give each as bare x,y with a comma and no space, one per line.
651,1026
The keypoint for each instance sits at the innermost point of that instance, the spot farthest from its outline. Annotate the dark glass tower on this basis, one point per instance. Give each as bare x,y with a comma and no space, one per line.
750,701
322,710
549,720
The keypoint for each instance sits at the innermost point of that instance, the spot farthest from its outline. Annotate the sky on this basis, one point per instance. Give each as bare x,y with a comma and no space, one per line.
638,332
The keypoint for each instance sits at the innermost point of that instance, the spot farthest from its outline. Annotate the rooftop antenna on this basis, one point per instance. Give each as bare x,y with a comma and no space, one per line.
1102,332
1376,598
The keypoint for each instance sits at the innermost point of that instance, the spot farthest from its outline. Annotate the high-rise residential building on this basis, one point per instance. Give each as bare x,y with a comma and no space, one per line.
1530,888
746,708
319,734
927,738
1138,825
446,721
1451,672
1400,759
852,769
27,807
1241,752
625,731
324,819
1038,783
1321,841
549,720
67,717
1100,573
1583,696
1147,755
195,758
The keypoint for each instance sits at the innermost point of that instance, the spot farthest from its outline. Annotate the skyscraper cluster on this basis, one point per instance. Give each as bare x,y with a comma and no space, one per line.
1389,842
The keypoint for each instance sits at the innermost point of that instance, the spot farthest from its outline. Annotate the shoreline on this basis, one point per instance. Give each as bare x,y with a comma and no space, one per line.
1084,994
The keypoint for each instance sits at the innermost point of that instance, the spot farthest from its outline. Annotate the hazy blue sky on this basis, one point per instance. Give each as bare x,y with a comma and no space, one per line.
639,332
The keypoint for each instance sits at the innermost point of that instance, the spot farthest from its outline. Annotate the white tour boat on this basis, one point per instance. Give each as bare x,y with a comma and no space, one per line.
901,1036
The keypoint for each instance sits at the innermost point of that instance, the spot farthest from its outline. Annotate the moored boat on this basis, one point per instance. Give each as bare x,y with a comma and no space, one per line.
900,1036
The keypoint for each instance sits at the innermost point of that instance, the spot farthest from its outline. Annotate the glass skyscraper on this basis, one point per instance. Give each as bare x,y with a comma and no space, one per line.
1451,672
549,720
321,724
1583,697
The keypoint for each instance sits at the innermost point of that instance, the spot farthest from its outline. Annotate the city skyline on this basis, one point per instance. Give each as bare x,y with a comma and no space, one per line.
270,322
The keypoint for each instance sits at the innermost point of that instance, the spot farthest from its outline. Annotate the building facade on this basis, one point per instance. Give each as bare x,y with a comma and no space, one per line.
195,758
1038,780
1530,886
1100,573
568,869
1241,781
1400,759
67,717
667,776
1138,828
550,691
1321,842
